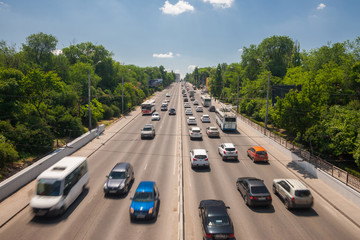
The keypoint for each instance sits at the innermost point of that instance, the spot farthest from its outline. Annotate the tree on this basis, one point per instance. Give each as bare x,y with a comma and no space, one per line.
38,88
38,49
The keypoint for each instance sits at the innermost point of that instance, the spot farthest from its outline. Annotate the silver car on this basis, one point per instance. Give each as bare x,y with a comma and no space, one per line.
293,192
228,151
195,132
191,121
148,131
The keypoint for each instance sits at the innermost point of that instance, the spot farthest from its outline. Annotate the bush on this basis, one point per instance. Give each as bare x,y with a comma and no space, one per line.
116,111
108,112
7,152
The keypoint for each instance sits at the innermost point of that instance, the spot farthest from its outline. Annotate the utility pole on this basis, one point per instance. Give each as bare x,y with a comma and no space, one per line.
89,95
267,102
122,94
237,109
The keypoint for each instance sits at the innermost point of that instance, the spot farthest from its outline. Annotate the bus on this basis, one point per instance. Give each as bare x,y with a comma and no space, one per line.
226,119
59,186
206,100
148,107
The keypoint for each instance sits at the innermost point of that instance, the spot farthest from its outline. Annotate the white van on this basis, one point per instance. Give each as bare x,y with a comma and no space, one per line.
59,186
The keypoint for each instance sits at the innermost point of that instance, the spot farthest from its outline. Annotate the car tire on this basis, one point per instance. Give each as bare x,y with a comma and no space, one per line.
287,204
274,190
245,200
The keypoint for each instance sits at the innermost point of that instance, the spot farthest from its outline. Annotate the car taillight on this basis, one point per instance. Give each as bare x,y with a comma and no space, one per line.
292,199
231,235
253,198
269,197
206,159
236,151
209,235
224,152
194,159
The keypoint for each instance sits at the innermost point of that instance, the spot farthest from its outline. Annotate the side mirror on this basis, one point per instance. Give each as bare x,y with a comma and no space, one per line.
128,175
107,176
131,198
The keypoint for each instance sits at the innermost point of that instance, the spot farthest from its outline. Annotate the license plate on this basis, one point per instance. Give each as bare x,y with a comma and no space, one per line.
140,216
221,236
112,191
262,198
41,212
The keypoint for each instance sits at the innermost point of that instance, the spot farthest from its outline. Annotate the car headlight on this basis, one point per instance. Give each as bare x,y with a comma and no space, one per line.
105,186
151,210
132,210
122,186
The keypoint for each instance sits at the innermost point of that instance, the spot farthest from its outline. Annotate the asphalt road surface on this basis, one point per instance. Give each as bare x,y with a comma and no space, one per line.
93,216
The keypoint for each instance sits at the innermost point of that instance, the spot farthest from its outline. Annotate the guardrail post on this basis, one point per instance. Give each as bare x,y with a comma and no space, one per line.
347,178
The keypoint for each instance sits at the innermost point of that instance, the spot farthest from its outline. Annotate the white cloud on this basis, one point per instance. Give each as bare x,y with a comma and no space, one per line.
191,68
179,8
163,55
240,50
57,52
4,6
321,6
220,3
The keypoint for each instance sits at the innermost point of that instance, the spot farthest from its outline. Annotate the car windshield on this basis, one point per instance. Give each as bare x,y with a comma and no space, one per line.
147,129
196,131
302,193
230,149
213,129
143,197
218,221
259,189
48,187
117,175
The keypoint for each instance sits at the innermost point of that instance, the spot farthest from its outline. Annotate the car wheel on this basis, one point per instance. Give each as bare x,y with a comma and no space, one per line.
287,204
274,190
245,200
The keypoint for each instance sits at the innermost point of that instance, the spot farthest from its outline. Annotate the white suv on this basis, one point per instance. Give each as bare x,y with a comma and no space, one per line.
195,132
228,151
293,192
199,158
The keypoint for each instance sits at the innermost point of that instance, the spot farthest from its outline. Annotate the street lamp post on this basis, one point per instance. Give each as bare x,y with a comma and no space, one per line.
267,97
89,95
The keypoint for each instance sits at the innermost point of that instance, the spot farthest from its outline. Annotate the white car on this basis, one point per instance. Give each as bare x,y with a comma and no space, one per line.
155,116
187,105
199,109
165,103
191,121
196,102
188,111
228,151
199,158
205,118
195,132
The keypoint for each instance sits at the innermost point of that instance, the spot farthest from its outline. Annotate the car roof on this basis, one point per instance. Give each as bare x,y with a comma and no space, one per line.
214,207
145,186
121,167
258,148
295,183
199,151
228,145
252,181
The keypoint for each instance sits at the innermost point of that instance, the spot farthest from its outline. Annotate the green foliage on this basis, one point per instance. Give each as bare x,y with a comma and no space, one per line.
7,152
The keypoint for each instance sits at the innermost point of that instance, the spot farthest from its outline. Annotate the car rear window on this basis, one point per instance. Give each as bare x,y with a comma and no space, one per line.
200,156
302,193
196,130
230,149
261,152
147,129
219,221
259,189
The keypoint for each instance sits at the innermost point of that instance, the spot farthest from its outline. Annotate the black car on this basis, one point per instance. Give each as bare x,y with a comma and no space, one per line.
186,99
216,222
254,191
212,109
120,179
172,111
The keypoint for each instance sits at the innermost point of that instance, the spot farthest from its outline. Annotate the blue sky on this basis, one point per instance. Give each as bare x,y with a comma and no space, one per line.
180,34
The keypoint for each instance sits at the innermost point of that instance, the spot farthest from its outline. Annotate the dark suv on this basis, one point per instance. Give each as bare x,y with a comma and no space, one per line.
120,179
216,222
254,191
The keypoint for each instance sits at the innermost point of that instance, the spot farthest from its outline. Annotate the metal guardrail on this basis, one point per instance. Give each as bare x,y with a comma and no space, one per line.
338,173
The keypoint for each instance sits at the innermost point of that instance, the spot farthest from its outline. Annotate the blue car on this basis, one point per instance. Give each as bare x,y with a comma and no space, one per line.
145,202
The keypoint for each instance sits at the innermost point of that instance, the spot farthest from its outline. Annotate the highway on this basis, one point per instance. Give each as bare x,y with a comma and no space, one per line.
93,216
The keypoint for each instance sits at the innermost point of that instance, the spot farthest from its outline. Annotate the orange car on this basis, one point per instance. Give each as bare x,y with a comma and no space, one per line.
257,153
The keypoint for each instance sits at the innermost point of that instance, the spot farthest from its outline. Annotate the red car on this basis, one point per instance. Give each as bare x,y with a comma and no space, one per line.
257,153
